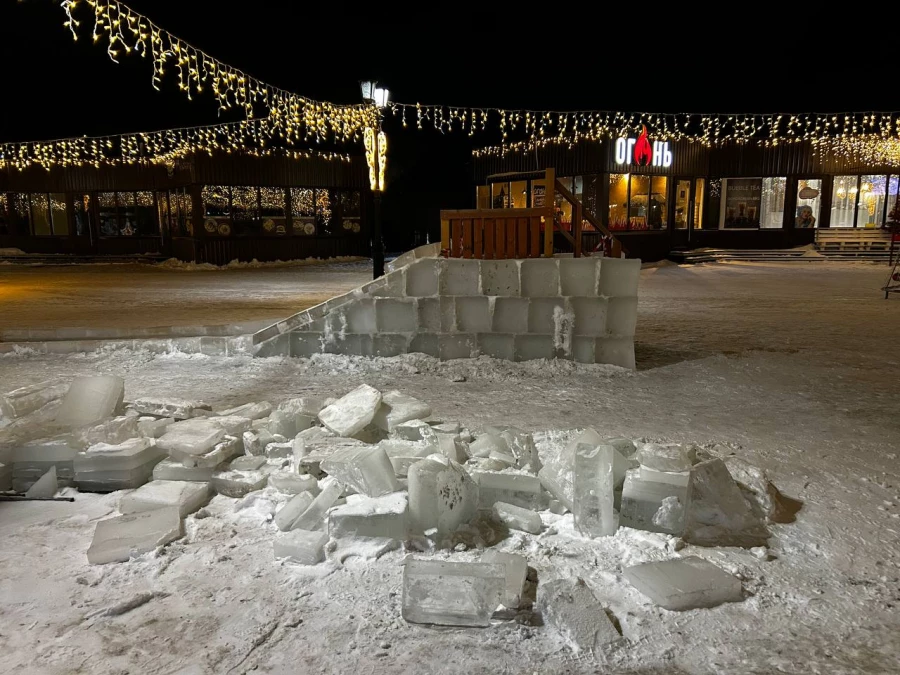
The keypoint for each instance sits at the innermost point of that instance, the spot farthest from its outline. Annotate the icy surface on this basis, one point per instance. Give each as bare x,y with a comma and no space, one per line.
684,583
353,412
91,399
452,593
118,539
571,608
185,496
192,437
367,469
168,407
300,546
517,518
516,570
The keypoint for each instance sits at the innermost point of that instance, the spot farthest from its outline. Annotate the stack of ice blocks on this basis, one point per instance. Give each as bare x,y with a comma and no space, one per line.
106,468
32,460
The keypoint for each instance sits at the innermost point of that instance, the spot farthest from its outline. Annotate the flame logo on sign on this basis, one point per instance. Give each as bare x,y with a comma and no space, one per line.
643,153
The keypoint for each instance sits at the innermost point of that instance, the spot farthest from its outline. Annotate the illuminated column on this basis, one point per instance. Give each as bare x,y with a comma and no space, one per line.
376,157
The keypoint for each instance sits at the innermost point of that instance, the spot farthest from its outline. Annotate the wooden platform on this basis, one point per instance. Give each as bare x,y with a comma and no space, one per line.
850,241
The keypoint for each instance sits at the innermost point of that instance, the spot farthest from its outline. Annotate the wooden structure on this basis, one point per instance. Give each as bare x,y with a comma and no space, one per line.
504,233
854,242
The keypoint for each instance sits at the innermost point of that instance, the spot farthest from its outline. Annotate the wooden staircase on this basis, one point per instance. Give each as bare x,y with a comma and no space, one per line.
854,243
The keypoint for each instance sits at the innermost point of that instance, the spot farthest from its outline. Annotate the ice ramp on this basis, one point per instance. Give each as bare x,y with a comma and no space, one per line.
581,309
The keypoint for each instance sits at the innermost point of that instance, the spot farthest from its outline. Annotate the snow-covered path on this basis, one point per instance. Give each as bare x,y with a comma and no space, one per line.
793,368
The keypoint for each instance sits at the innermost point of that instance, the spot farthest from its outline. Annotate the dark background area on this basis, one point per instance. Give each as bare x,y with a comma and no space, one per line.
697,59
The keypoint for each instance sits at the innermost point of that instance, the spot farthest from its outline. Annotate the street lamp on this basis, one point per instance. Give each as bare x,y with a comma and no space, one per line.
376,157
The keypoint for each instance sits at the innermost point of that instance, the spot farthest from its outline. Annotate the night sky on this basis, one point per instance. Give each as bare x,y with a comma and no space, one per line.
758,59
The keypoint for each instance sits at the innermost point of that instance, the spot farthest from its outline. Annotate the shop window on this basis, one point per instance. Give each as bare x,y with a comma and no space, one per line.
587,190
658,209
682,203
893,185
185,211
741,203
843,200
20,213
108,214
127,214
809,198
303,211
500,198
637,202
58,215
5,218
772,203
216,209
325,216
145,220
699,187
518,192
40,215
273,210
83,215
872,200
245,210
618,201
351,210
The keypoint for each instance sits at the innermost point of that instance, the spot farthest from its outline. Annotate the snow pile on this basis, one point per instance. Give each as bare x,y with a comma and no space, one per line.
373,471
176,264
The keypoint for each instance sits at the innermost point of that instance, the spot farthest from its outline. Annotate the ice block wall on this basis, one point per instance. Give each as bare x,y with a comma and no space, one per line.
582,309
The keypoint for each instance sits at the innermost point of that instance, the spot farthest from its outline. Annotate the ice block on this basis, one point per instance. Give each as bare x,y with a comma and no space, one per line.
353,412
45,487
370,517
169,469
91,399
114,430
652,506
314,516
441,495
301,546
184,496
671,457
253,411
397,408
288,514
168,407
367,469
513,488
452,593
239,483
570,607
293,483
26,400
594,511
516,570
684,583
118,539
152,427
517,518
222,452
195,436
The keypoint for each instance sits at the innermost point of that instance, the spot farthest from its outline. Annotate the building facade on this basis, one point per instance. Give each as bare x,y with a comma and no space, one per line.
661,196
204,209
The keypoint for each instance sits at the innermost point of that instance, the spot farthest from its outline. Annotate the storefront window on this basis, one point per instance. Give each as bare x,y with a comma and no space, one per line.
185,202
588,192
809,197
303,211
518,192
245,210
108,214
40,214
658,209
872,200
618,201
843,200
741,203
351,210
20,213
4,214
772,203
82,215
324,212
682,203
500,198
273,210
893,185
58,214
639,203
699,188
145,214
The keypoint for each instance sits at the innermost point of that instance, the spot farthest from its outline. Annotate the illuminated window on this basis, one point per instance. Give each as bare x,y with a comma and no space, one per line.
699,186
145,223
637,202
273,210
618,201
873,193
682,203
83,215
303,211
40,215
245,209
657,208
518,194
351,211
108,214
843,200
324,212
5,216
772,203
58,215
809,198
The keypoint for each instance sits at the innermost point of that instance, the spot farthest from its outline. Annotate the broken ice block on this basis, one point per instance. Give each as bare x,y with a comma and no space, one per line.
352,413
594,490
239,483
280,450
114,430
367,469
185,496
414,430
152,427
625,446
169,469
233,425
370,517
293,483
91,399
256,441
452,448
288,514
573,610
684,583
25,400
285,424
253,411
107,468
557,475
672,457
516,570
248,463
314,516
522,446
305,405
301,546
33,459
441,495
517,518
452,428
486,444
118,539
195,436
452,593
45,486
679,478
397,408
513,488
644,506
718,514
221,452
168,407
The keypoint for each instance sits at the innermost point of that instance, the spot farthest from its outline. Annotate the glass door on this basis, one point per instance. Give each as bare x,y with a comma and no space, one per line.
688,201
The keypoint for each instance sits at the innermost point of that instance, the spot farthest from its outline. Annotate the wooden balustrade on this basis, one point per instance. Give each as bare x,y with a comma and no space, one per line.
496,234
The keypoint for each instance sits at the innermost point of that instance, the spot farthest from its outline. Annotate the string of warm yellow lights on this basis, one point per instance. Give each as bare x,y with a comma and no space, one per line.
302,119
257,137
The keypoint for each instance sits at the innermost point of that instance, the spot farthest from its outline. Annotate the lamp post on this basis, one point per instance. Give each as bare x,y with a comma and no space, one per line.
376,158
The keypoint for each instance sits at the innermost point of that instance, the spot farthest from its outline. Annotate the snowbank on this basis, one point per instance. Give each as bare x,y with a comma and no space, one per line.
175,264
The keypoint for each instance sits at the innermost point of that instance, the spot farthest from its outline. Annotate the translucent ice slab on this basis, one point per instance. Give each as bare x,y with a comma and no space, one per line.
570,607
127,455
517,518
118,539
305,405
301,546
184,496
239,483
113,430
25,400
594,511
169,469
45,486
652,506
513,488
253,411
191,437
367,469
452,593
516,570
293,483
684,583
353,412
248,463
293,509
314,516
370,517
233,425
152,427
397,408
168,407
222,452
414,430
441,495
91,399
672,457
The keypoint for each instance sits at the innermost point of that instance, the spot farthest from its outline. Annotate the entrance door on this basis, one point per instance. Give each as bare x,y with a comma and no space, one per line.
688,211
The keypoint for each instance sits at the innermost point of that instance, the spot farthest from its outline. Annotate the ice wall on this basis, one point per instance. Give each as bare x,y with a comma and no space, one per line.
581,309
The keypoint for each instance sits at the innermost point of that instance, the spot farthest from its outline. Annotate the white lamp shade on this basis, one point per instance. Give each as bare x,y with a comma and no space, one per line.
368,90
381,96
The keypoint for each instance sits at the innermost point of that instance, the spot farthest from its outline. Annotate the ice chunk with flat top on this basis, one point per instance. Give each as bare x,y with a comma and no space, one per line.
293,483
558,475
314,516
107,468
353,412
286,424
248,463
442,495
300,546
675,478
671,457
45,486
684,583
114,430
33,459
414,430
453,448
221,453
253,411
517,518
169,469
168,407
118,539
25,400
231,483
452,593
397,408
516,570
184,496
625,446
367,469
486,444
191,437
91,399
718,514
288,514
370,517
652,506
152,427
595,515
513,488
569,606
233,425
310,406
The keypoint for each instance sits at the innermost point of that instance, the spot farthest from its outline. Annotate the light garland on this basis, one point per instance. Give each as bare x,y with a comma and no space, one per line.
301,119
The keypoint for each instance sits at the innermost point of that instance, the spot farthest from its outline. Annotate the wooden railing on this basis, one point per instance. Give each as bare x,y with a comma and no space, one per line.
496,234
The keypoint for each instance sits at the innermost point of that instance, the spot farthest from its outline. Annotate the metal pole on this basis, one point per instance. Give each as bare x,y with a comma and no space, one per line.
377,247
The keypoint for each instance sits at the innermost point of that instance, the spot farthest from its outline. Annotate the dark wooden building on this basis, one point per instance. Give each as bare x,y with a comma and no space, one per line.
734,196
204,208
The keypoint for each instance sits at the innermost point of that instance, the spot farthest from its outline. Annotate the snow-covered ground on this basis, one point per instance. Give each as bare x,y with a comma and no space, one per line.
793,368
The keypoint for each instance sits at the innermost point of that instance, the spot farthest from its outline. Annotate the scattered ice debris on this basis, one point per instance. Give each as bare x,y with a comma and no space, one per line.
162,407
452,593
684,583
569,606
